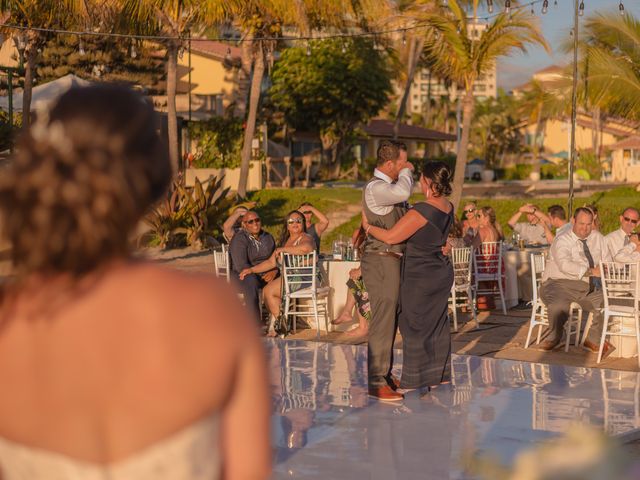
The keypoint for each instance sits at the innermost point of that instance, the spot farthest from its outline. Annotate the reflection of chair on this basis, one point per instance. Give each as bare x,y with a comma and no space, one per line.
222,267
621,292
462,266
300,281
488,267
300,376
621,395
461,378
539,316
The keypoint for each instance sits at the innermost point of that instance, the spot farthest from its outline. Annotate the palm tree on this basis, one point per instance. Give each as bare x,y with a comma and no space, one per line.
462,58
538,104
260,22
174,19
34,15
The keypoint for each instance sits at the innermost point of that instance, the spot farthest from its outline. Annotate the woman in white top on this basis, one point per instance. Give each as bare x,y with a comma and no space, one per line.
111,367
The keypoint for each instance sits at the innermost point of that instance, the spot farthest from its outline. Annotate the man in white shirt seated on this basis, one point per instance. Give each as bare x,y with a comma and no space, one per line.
532,232
572,274
619,244
558,220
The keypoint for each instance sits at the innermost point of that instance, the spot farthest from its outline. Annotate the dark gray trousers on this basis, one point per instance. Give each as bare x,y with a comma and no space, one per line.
381,276
557,295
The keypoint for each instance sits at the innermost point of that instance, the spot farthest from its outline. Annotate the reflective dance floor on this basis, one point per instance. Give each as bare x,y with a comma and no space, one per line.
326,427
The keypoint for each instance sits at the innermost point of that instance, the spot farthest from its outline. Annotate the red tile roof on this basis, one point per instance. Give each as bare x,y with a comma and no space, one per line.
216,49
384,128
629,142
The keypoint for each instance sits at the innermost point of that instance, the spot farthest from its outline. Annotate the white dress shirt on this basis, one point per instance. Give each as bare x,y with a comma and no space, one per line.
382,196
621,249
567,260
564,228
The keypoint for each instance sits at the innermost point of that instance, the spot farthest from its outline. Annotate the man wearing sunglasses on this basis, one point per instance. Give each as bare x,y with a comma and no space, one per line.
249,247
620,244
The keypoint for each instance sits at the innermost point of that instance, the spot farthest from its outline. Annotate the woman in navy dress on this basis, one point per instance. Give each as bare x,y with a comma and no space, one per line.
426,280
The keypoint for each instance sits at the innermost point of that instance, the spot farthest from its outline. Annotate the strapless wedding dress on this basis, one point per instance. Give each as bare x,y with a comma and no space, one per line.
193,453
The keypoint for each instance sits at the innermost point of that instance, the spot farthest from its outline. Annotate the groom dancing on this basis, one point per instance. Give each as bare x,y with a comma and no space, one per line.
384,203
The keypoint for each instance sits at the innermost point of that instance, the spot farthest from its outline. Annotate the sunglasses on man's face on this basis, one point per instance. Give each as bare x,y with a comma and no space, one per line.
470,210
294,220
630,220
252,221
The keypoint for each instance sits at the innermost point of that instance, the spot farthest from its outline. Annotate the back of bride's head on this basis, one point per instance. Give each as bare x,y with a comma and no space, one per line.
80,180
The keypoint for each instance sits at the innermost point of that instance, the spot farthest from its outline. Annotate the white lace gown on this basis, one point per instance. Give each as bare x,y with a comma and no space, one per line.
193,453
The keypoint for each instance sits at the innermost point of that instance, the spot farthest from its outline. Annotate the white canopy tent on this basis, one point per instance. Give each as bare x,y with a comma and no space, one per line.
43,95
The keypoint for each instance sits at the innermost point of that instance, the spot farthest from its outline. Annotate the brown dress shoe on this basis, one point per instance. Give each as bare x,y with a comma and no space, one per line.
548,345
393,382
593,347
385,393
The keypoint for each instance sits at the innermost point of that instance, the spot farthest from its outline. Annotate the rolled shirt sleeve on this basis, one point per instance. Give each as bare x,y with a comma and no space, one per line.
388,194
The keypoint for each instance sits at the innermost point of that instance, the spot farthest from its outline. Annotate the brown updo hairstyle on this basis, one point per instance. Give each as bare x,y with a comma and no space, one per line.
440,175
81,179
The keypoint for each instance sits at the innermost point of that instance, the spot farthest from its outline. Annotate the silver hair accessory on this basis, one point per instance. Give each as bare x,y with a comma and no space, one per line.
51,133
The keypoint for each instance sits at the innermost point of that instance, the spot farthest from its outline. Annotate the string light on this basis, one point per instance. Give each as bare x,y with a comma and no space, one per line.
490,6
134,52
308,50
81,48
404,38
507,6
228,54
545,6
344,47
621,8
581,9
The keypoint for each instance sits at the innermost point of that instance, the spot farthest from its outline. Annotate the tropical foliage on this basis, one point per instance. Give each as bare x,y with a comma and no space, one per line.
218,142
339,85
457,54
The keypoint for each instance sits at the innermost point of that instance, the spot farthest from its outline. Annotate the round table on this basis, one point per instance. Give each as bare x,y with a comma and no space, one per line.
336,273
517,263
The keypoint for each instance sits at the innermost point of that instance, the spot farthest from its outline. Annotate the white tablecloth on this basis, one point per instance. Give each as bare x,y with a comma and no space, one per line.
517,265
336,274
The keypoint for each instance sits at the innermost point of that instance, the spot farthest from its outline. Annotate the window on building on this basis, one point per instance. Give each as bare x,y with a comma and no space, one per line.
424,75
424,87
424,98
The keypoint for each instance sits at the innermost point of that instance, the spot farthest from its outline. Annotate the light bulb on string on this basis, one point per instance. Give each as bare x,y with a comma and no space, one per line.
180,53
532,10
308,50
507,6
581,9
134,52
621,8
404,38
344,47
81,50
545,6
490,6
228,54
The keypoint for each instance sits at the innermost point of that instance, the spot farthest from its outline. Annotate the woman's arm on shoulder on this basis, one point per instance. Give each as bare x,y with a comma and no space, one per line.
406,226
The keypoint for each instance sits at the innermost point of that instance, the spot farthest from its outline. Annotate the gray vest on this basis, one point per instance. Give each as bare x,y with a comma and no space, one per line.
371,244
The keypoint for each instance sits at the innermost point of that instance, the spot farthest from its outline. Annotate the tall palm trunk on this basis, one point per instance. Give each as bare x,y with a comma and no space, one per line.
254,98
461,158
595,132
415,50
244,79
29,68
536,142
172,116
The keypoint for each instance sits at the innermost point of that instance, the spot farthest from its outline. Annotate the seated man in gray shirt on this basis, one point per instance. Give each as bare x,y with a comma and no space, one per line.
531,232
249,247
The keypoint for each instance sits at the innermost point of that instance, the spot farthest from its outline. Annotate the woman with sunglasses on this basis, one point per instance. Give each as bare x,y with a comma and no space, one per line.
295,240
469,221
314,229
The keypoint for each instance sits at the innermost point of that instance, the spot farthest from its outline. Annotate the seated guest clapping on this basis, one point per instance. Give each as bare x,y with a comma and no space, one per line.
572,274
295,240
250,246
619,243
533,231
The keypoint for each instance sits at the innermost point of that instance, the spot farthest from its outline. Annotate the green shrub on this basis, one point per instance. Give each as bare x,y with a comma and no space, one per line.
218,142
519,172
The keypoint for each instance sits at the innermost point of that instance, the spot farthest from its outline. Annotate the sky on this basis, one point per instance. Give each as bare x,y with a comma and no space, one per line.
556,26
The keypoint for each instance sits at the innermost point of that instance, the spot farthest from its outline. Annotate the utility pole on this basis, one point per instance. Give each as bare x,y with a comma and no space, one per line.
574,100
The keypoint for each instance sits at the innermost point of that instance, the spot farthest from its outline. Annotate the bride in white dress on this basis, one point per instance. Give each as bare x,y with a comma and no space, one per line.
113,368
